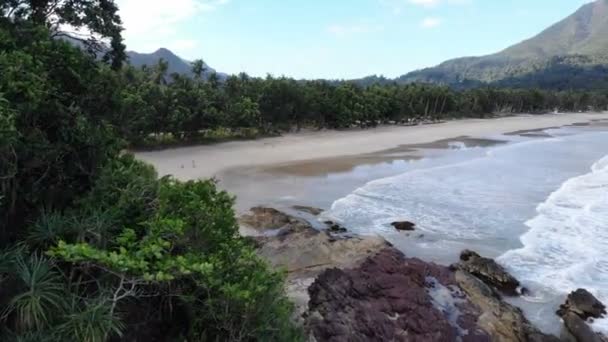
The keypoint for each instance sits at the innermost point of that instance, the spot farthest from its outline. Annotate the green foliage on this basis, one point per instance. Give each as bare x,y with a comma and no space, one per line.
184,244
98,17
190,111
91,321
39,294
49,229
52,103
126,189
126,255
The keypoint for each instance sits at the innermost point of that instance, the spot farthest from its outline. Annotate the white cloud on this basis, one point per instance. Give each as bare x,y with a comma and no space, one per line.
149,22
430,22
346,30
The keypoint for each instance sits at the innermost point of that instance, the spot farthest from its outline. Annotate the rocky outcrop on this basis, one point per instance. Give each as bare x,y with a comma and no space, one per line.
361,289
584,304
404,226
502,321
389,298
262,218
489,271
305,252
393,298
580,306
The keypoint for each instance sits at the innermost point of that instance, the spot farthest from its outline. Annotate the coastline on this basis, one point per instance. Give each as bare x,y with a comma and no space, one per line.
316,169
207,161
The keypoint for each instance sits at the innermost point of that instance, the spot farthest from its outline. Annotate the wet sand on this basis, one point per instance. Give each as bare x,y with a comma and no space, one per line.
317,168
212,160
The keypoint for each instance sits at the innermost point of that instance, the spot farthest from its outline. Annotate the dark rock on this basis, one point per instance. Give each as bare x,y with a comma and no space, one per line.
404,226
310,210
489,271
335,227
584,304
579,329
386,299
502,321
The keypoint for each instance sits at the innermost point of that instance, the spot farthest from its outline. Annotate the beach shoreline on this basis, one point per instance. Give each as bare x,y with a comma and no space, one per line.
209,161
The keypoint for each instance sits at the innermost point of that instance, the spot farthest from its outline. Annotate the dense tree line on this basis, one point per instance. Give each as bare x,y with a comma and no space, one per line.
160,108
93,245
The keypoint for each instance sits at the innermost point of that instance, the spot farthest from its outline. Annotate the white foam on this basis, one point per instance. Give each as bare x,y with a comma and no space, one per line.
468,199
566,246
484,199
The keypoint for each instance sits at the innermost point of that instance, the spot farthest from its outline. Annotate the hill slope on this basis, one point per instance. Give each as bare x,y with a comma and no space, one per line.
582,36
176,63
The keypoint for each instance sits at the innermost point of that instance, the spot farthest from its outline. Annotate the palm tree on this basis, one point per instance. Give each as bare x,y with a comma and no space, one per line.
198,69
162,67
39,296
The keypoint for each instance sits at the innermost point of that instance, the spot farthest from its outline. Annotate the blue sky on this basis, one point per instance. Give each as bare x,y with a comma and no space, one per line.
334,38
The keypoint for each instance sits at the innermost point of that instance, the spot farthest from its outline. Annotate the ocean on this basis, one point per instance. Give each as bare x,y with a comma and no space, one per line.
538,204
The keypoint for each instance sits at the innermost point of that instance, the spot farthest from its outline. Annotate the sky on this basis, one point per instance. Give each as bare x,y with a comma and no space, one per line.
334,39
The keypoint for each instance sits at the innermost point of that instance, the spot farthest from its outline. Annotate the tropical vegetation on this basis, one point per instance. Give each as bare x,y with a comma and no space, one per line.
94,246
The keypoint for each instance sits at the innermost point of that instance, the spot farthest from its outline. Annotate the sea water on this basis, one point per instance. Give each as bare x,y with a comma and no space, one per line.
539,205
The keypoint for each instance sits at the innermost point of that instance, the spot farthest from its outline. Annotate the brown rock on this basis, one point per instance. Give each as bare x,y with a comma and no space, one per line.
502,321
387,299
305,252
404,226
489,271
584,304
579,329
266,219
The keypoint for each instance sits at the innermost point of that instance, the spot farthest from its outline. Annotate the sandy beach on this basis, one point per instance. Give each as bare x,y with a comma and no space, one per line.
211,160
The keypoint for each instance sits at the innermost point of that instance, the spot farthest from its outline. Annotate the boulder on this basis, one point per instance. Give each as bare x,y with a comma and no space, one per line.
580,306
262,218
578,328
387,298
489,271
335,228
502,321
584,304
309,210
404,226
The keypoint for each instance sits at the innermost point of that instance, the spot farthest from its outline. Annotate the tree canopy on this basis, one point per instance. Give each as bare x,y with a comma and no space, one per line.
93,245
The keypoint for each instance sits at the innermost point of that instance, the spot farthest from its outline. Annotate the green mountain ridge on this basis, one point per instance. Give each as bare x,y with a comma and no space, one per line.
580,39
176,64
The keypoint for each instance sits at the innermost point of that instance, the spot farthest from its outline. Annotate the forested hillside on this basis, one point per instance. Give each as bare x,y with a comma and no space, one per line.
583,34
175,64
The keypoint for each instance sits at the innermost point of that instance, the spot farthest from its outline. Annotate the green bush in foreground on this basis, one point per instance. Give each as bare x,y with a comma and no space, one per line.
182,270
93,246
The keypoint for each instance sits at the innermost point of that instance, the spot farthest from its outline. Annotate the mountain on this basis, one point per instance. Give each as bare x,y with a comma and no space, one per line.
579,41
176,63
